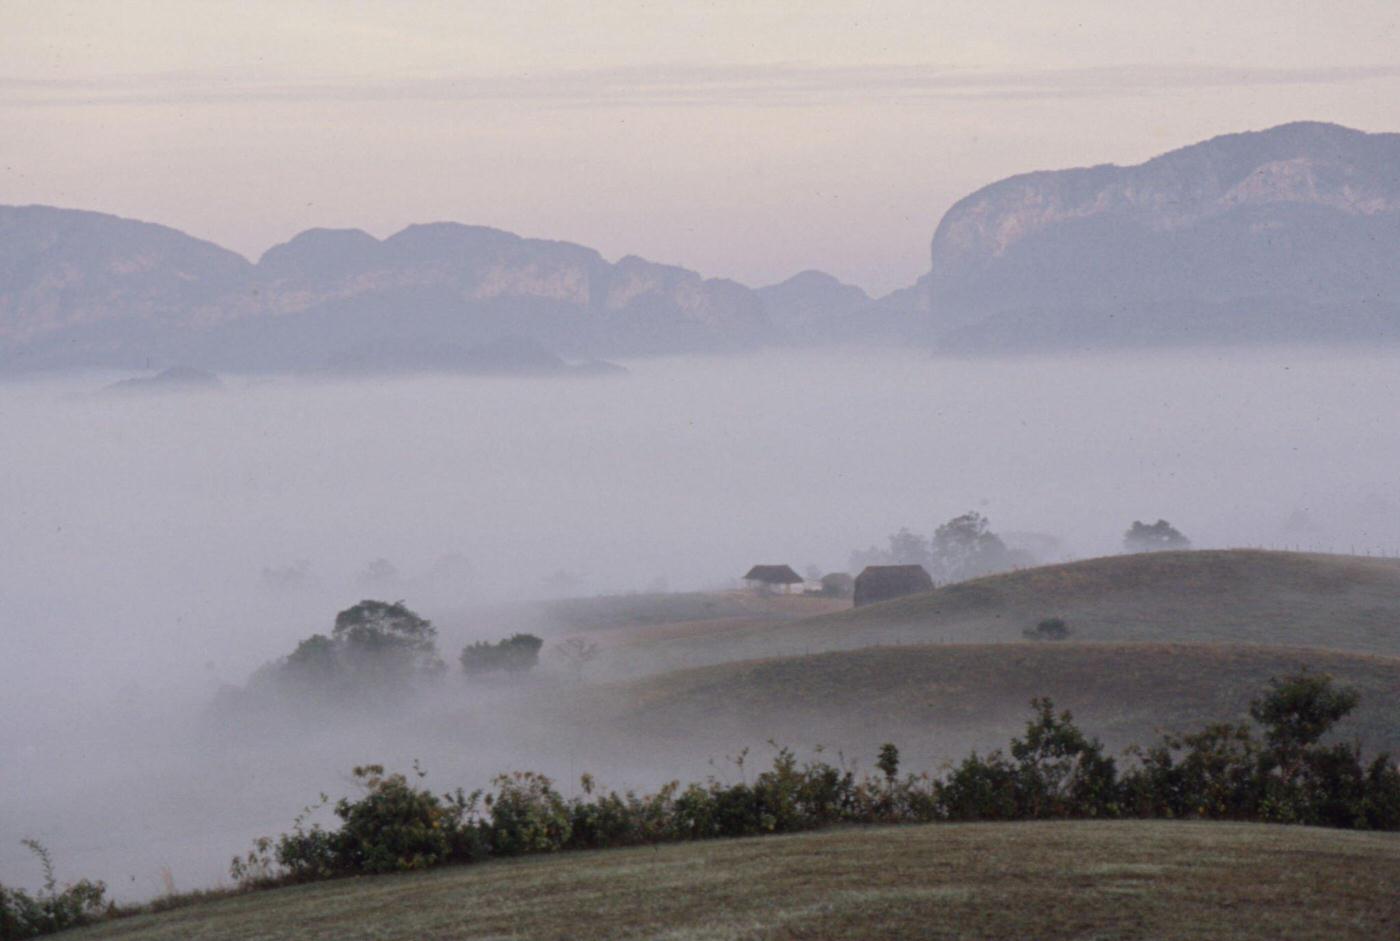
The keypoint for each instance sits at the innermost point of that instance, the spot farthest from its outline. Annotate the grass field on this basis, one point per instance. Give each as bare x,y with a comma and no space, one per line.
1121,880
938,701
1227,596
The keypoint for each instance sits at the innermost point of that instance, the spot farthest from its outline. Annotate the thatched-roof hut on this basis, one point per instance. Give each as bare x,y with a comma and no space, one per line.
883,582
772,577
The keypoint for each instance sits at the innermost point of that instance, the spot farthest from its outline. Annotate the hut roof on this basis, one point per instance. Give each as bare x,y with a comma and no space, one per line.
773,575
883,582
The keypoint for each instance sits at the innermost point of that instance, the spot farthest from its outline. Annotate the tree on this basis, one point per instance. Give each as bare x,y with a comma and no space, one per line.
908,548
904,548
314,660
1299,709
374,646
577,652
965,547
381,631
516,654
1158,537
1062,772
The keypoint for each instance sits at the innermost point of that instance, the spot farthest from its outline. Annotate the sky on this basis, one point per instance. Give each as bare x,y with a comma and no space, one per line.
748,140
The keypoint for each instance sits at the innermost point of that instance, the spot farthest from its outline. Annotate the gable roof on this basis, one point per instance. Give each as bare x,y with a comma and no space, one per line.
773,575
896,575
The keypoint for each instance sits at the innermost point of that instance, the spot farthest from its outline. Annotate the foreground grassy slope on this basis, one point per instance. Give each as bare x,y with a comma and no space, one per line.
1228,596
937,701
1119,880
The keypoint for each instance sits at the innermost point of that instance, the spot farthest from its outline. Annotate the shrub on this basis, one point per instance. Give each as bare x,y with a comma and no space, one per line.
1216,776
1154,537
516,654
1048,629
1053,771
1061,772
527,815
979,789
395,826
23,915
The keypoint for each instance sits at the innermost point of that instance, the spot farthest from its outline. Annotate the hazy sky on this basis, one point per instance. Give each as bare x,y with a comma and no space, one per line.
747,139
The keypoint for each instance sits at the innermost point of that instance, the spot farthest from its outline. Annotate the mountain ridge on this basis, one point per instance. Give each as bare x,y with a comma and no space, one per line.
1288,234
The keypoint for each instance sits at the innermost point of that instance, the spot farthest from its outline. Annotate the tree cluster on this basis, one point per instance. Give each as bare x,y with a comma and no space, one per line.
516,654
374,647
1053,771
964,547
1160,536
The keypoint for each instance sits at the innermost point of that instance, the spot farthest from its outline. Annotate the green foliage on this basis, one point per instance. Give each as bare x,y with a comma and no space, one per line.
1154,537
1214,777
376,648
516,654
964,547
527,815
23,915
888,762
396,827
379,637
1299,709
1055,771
1052,771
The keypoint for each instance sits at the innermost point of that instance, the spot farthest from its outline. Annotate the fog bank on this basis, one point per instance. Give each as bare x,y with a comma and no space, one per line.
153,547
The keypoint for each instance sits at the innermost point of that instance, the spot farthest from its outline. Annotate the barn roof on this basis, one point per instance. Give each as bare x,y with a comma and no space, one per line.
895,575
773,575
884,582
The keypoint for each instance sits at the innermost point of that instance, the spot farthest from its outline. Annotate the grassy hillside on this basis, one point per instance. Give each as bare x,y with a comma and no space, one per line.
1228,596
937,701
1041,880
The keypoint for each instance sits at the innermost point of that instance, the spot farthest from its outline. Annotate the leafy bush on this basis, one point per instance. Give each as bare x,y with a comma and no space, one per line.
1154,537
527,815
1048,629
393,827
516,654
23,915
376,649
1053,771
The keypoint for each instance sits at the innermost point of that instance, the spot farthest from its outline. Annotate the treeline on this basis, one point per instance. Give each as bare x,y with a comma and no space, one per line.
1276,770
376,651
1280,771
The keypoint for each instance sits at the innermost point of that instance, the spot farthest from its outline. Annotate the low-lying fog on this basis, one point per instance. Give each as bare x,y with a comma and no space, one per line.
154,547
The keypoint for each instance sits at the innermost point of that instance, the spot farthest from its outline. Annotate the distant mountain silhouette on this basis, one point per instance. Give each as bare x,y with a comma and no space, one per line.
1287,234
85,289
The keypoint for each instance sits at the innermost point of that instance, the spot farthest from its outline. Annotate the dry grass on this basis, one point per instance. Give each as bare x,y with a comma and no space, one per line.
1236,596
1048,881
938,701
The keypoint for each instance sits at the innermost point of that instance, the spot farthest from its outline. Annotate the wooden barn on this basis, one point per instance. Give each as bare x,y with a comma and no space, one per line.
770,578
883,582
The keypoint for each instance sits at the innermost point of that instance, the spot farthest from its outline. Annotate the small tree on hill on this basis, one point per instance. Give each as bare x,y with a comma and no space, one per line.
386,637
1296,712
1048,629
1157,537
965,547
516,654
577,652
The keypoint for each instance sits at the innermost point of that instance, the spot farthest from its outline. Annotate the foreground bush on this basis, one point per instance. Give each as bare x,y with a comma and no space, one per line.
27,916
1054,771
